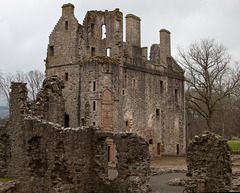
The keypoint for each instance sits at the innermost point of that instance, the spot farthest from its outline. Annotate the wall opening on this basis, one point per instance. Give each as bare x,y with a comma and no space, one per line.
123,92
158,149
93,51
126,79
94,85
82,121
126,123
177,149
111,158
94,123
176,96
108,52
92,30
66,25
94,105
134,83
66,124
157,112
103,31
66,76
161,87
150,141
51,50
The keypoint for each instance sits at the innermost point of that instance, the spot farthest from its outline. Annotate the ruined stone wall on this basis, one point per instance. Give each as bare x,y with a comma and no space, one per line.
46,157
209,164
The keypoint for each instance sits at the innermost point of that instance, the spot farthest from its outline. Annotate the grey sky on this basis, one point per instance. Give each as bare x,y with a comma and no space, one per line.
25,25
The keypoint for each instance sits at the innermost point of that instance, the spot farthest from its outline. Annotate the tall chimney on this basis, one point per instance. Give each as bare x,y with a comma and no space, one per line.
133,29
67,9
165,46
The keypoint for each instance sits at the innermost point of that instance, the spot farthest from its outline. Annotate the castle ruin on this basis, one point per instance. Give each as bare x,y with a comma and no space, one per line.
112,84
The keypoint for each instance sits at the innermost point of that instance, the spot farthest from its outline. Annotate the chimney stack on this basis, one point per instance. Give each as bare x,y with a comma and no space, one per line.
165,46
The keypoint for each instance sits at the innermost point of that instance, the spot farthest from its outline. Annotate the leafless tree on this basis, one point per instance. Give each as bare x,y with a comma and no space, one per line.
209,77
34,80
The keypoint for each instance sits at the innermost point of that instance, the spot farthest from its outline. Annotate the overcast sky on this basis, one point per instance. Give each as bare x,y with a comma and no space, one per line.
26,25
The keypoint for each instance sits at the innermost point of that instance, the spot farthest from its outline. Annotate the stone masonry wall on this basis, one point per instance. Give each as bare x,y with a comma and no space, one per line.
209,164
46,157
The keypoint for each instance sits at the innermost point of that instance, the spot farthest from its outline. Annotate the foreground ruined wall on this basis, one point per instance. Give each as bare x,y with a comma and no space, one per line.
46,157
209,164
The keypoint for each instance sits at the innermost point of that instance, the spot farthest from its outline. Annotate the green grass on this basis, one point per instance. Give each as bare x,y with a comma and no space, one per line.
235,144
5,179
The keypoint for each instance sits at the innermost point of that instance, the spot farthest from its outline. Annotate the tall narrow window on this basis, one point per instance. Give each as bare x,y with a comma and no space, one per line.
93,51
108,52
126,123
94,105
150,141
126,79
51,49
66,76
66,120
161,87
66,24
157,112
92,30
176,95
94,85
134,83
103,32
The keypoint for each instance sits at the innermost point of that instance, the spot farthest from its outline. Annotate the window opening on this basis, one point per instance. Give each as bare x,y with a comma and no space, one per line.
94,105
92,30
66,120
158,149
161,87
103,31
126,79
157,112
134,83
177,149
150,141
126,123
66,24
66,76
108,52
93,51
94,85
82,121
94,123
123,92
51,50
176,95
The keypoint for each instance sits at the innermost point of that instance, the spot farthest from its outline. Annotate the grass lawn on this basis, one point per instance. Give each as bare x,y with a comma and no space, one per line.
5,179
235,144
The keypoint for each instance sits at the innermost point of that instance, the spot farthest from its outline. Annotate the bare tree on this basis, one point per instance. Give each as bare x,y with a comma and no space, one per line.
209,78
34,80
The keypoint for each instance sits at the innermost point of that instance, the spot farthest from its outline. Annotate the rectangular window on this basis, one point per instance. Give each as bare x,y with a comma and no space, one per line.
126,123
176,95
94,85
103,32
83,121
66,76
134,83
92,30
66,25
51,50
161,87
108,52
93,51
150,141
157,112
94,105
94,123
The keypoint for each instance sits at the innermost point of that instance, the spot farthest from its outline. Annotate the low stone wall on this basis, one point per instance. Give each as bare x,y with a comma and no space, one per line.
209,164
9,187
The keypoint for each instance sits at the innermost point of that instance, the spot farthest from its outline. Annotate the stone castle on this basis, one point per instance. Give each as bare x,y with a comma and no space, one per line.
112,84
